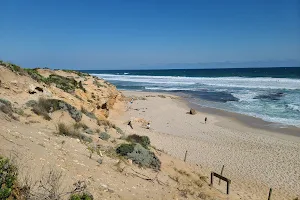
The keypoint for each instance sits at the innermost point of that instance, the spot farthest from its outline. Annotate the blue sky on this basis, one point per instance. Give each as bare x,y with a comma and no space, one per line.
136,34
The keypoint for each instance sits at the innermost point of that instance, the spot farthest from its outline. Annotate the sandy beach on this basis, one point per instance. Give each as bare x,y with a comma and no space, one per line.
255,159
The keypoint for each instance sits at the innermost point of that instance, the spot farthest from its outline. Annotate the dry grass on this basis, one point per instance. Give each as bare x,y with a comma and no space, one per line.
182,172
71,132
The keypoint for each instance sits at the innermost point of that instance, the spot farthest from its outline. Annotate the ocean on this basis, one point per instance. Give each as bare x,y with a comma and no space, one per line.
272,94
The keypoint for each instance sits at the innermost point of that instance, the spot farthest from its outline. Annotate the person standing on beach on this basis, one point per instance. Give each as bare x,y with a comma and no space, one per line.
205,120
148,125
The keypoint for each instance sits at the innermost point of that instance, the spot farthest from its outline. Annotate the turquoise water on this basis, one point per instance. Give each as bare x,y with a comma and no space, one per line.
272,94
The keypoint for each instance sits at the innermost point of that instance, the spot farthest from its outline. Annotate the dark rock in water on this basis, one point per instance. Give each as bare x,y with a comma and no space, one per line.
193,111
271,96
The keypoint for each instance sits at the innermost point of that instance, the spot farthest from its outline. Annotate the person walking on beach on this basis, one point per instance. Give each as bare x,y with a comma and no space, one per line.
130,124
205,120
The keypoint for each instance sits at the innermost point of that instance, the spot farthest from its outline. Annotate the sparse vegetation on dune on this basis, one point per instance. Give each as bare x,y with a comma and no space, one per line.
71,132
8,178
104,136
45,106
87,113
49,187
65,83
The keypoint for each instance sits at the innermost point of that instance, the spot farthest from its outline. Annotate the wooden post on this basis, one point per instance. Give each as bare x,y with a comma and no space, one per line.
228,184
220,177
270,193
185,156
221,174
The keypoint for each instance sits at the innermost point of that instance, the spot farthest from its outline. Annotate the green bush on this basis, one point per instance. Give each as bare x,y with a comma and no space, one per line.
119,130
6,102
8,178
64,83
35,75
124,149
83,196
142,140
144,157
139,155
104,136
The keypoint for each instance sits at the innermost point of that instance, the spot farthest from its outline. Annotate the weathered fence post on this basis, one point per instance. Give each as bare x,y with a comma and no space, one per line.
185,156
220,177
228,184
221,174
270,193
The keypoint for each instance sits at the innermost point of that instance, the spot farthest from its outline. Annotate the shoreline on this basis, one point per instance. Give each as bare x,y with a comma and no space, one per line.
255,159
243,119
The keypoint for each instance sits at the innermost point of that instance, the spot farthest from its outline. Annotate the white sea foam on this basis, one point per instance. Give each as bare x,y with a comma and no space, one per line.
233,82
294,107
285,110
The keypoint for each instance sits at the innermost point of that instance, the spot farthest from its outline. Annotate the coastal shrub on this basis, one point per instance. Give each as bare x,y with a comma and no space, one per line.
119,130
44,106
104,136
87,113
142,140
89,131
39,110
6,109
8,178
79,125
6,102
15,68
64,83
144,157
68,131
19,111
83,196
81,74
31,103
65,130
124,149
35,75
